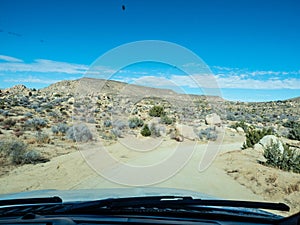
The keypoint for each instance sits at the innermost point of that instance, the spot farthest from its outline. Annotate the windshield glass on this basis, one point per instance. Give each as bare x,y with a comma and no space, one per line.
201,96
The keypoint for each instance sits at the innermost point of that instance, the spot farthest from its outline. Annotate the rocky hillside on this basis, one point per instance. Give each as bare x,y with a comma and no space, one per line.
64,112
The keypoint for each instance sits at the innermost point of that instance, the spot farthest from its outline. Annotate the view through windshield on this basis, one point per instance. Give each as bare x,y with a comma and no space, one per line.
201,96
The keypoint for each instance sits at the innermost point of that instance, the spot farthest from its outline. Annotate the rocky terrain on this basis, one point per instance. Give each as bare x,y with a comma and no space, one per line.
38,127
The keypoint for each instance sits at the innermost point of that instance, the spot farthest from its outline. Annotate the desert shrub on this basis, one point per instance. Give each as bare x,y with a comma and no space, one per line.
36,123
135,122
241,124
42,138
9,122
290,124
16,152
119,124
253,136
208,134
107,123
157,111
156,130
117,132
4,112
79,133
294,132
60,128
33,157
28,114
145,131
289,160
166,120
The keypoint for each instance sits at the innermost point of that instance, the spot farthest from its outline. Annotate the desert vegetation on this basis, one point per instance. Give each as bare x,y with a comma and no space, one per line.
37,125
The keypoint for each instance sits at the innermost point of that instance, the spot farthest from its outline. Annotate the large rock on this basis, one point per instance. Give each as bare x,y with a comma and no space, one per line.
186,131
268,139
213,119
240,130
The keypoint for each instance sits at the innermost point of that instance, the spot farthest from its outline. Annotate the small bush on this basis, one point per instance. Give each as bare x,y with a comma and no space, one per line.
166,120
16,151
36,123
42,138
60,129
294,132
33,157
117,132
208,134
107,123
156,111
146,131
119,124
156,130
9,122
289,160
135,122
79,133
241,124
253,136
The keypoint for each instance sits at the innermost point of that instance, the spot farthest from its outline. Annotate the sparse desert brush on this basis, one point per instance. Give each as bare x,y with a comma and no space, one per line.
60,129
36,123
253,136
157,130
42,137
135,122
9,122
79,133
209,134
16,152
292,188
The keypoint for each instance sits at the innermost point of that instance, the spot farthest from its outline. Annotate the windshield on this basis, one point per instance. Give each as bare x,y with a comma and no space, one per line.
200,96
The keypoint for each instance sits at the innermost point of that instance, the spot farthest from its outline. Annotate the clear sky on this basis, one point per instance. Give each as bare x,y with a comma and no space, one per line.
252,46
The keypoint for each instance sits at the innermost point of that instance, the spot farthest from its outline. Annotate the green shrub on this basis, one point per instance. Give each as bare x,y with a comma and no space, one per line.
146,131
241,124
135,122
157,111
289,160
294,132
166,120
253,136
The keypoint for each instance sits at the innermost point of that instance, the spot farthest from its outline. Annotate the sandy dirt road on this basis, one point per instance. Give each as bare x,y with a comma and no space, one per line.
72,171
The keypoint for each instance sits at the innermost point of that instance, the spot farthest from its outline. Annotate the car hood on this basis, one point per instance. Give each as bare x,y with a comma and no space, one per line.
97,194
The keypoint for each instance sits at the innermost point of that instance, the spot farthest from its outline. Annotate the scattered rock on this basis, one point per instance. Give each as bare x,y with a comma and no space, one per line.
213,119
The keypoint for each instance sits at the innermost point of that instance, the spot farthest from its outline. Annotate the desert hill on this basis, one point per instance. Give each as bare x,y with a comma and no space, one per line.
40,130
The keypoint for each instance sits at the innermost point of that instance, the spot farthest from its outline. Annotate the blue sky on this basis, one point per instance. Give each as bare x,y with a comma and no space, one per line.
251,46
